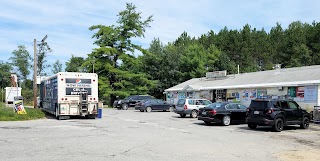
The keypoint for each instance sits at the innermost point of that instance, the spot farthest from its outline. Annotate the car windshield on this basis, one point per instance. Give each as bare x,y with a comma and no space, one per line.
215,105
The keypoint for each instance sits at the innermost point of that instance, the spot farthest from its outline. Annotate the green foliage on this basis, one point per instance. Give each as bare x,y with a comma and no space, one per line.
27,94
42,54
57,67
7,114
21,60
5,69
74,64
118,70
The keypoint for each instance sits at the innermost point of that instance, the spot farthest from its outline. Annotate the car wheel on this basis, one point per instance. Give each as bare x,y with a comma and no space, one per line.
226,120
252,126
208,123
278,126
305,123
194,114
171,109
148,109
124,106
141,110
183,115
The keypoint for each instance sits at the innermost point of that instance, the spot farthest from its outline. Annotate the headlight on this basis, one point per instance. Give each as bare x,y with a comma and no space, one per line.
119,101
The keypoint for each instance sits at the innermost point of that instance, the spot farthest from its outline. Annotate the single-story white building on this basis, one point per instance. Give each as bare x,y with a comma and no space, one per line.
301,84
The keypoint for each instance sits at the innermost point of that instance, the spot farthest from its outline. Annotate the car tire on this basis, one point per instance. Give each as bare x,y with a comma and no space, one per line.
170,109
183,115
194,114
252,126
124,106
148,109
305,123
141,110
226,120
278,126
208,123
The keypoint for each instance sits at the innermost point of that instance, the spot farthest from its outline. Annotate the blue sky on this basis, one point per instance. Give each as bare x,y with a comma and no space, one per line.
66,22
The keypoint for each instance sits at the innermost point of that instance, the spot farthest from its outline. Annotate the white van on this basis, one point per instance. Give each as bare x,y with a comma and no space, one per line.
188,106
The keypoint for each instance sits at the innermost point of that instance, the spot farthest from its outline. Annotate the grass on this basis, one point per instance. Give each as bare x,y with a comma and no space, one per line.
7,114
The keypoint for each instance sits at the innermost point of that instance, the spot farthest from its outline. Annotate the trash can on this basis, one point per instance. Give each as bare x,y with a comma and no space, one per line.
18,105
99,113
316,114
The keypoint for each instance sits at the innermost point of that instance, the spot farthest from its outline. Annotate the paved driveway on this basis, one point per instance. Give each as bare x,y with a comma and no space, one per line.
131,135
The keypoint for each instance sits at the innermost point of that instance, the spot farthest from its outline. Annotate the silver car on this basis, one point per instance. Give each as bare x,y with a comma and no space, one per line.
188,106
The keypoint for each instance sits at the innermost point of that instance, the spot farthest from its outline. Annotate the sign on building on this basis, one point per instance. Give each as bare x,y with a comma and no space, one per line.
310,94
216,74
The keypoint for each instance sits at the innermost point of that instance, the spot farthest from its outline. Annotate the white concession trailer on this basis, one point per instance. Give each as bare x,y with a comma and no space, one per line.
68,94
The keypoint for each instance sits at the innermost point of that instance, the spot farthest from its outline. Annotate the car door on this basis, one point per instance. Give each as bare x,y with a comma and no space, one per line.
288,112
162,105
133,100
153,104
234,111
296,112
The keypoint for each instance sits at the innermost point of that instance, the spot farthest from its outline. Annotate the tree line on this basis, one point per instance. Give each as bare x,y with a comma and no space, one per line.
163,65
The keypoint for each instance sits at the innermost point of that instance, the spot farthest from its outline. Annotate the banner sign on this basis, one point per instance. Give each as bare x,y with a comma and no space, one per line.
78,86
310,94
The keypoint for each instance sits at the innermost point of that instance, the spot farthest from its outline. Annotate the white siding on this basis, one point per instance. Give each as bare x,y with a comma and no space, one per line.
318,101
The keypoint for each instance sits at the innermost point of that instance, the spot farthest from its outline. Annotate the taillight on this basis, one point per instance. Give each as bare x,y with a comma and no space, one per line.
185,107
213,112
269,111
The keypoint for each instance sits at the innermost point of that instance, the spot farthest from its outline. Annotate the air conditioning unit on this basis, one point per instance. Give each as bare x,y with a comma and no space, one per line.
280,88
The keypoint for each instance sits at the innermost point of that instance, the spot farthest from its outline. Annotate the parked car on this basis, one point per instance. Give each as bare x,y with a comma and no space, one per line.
277,114
190,107
223,112
154,104
130,101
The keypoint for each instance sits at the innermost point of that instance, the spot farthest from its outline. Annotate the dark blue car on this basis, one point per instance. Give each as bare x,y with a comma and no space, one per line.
154,104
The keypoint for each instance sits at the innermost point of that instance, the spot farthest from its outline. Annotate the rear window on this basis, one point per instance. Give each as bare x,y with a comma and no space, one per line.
214,105
259,104
181,102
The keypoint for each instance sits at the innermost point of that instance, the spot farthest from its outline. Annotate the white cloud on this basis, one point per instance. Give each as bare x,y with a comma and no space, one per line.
66,22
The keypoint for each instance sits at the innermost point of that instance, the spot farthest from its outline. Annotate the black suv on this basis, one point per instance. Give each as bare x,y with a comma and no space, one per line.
276,113
130,101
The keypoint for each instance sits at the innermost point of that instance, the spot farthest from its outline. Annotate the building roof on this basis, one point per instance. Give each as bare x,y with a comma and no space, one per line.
308,75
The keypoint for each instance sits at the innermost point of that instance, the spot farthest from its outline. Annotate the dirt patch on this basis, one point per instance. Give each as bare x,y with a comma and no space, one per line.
300,155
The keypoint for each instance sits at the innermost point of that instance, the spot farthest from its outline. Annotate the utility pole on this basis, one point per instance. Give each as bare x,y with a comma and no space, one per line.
35,74
35,71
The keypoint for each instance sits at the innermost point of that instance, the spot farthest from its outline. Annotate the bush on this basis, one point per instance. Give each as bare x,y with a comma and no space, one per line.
8,114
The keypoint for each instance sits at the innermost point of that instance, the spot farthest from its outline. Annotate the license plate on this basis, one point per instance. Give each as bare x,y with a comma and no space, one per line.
256,112
204,113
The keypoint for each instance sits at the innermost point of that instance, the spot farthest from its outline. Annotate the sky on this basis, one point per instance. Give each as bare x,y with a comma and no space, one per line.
66,23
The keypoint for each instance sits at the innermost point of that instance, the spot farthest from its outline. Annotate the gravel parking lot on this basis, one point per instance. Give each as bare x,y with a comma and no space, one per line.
132,135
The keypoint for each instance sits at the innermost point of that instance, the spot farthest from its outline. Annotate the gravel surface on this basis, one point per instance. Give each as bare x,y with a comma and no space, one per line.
132,135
